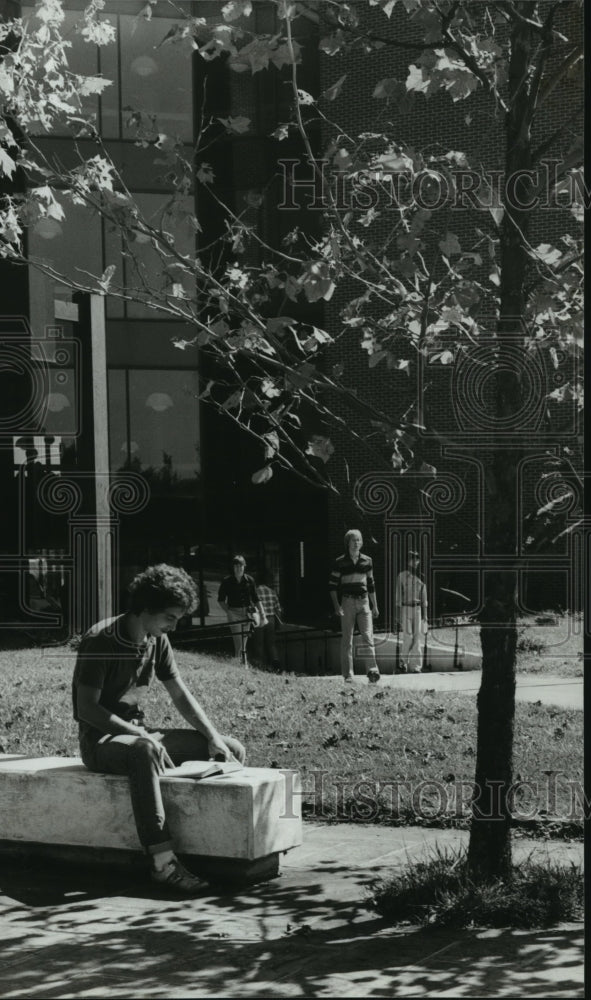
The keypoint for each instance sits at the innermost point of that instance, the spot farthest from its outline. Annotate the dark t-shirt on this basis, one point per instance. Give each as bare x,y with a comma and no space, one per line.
109,660
238,593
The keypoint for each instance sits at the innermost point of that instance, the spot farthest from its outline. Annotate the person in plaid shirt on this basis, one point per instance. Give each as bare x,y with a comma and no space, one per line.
265,648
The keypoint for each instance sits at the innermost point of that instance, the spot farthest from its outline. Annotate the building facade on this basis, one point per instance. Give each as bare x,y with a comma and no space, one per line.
198,505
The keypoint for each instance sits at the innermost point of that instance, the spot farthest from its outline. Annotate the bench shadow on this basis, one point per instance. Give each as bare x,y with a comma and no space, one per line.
70,932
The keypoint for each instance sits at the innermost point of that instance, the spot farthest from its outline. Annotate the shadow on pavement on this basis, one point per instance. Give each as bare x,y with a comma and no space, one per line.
88,933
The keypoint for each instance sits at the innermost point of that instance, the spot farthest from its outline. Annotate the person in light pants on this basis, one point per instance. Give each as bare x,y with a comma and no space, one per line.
411,614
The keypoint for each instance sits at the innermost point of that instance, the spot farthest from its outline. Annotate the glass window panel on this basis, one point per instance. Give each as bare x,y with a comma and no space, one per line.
73,245
118,444
61,414
155,78
110,104
164,428
145,269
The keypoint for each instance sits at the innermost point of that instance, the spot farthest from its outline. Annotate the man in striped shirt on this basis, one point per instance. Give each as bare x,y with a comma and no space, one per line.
353,594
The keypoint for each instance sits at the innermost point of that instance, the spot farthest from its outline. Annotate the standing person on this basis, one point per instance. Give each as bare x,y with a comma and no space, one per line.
411,613
264,636
352,591
116,659
238,597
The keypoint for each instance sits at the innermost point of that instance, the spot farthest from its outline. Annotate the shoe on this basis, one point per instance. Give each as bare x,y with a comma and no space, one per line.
401,670
348,679
174,876
417,670
373,676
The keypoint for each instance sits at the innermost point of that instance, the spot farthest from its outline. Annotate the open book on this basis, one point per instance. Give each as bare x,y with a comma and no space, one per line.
203,769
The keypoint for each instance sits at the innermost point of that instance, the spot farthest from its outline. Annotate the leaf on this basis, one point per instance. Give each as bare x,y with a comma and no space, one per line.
237,125
386,5
320,447
282,55
235,9
450,245
549,254
205,174
389,87
7,164
207,391
316,282
416,80
262,475
271,444
305,98
286,9
333,92
174,34
445,357
233,401
321,335
280,133
107,277
395,160
376,357
269,389
88,85
331,44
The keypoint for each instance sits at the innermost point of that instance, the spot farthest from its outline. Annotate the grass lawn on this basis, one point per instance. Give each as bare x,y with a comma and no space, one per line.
364,753
546,643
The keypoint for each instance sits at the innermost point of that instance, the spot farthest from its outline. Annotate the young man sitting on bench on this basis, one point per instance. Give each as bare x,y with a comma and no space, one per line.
116,658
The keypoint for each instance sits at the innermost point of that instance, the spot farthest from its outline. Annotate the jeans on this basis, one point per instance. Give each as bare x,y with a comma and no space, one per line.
356,609
138,758
238,615
411,654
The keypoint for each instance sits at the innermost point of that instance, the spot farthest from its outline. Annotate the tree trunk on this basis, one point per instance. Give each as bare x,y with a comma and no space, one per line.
489,854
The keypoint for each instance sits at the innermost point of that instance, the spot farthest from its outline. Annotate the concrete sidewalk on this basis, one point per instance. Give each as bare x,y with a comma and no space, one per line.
565,692
306,934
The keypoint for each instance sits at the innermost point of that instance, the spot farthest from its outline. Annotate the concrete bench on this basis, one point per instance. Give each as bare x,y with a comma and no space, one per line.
226,828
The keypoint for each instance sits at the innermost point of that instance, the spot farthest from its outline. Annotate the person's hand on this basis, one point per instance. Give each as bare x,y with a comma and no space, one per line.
339,612
238,750
217,747
375,613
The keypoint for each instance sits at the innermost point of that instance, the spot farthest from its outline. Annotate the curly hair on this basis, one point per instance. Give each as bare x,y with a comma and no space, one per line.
160,587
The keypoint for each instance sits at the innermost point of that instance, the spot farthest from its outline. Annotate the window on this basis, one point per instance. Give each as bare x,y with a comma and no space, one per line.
154,427
144,271
152,77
